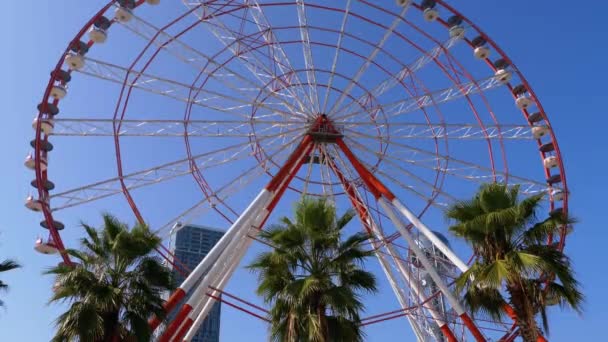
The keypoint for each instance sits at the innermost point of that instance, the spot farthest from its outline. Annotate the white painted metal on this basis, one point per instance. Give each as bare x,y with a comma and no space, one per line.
337,53
47,125
123,14
430,14
197,59
423,259
503,76
481,52
433,98
428,233
200,312
390,82
221,245
369,59
58,92
97,35
308,60
74,61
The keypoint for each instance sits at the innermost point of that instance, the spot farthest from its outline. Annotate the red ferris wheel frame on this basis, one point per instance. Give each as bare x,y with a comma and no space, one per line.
282,82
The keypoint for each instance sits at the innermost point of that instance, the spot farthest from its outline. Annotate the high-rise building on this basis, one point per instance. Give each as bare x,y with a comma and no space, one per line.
190,243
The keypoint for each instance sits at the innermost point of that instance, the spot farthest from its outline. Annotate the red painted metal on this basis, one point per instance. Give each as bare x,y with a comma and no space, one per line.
448,333
183,330
41,175
175,324
169,305
472,327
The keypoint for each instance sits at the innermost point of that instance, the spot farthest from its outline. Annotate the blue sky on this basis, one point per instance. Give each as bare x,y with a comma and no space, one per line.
558,48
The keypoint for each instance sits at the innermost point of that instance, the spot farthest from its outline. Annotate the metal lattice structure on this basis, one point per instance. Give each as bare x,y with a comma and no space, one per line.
394,108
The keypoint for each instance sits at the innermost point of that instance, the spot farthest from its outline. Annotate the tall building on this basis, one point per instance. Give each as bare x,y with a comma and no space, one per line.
190,244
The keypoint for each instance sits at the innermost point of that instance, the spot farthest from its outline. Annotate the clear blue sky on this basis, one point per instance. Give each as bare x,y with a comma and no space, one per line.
559,48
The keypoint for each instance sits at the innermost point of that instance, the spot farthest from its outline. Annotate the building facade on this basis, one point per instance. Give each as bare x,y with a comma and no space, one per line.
190,244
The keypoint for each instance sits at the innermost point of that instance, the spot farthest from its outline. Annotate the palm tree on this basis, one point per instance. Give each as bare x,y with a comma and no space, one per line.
312,278
6,265
114,286
513,257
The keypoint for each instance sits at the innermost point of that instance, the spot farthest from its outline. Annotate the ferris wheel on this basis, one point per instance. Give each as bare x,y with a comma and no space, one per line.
225,107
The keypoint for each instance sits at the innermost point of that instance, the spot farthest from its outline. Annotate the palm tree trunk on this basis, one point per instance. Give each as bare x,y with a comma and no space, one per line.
322,324
528,329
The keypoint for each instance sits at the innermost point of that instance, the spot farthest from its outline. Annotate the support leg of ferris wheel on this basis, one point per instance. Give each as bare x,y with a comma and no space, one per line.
379,190
255,215
213,255
372,227
258,224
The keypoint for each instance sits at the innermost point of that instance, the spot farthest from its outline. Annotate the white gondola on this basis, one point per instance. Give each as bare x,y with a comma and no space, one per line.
550,162
503,76
402,3
481,52
523,101
30,162
557,194
539,131
33,204
457,32
98,35
47,125
153,2
74,61
430,14
123,14
56,286
45,247
59,91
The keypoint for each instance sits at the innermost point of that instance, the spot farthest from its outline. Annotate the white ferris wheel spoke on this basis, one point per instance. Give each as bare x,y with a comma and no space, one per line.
392,81
176,90
279,56
471,171
172,128
412,104
461,131
229,189
158,174
369,59
251,61
308,60
398,168
378,242
336,55
200,61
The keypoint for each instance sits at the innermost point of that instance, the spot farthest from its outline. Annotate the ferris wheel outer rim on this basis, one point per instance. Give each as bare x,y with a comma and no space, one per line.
41,175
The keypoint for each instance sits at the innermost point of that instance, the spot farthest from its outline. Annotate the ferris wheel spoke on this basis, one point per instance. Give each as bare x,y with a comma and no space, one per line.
158,174
336,55
471,171
462,131
326,172
390,82
260,70
309,171
396,165
172,128
308,60
363,68
230,188
412,104
395,179
200,61
346,169
174,89
280,56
